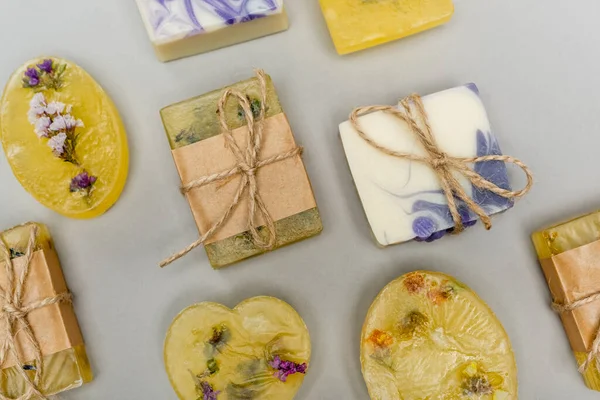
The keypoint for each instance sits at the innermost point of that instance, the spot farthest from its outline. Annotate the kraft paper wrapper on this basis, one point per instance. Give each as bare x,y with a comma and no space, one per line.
284,186
55,327
573,275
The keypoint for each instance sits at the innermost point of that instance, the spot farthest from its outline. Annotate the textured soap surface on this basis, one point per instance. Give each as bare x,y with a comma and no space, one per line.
237,353
63,138
64,370
359,24
428,336
179,28
195,136
403,199
561,238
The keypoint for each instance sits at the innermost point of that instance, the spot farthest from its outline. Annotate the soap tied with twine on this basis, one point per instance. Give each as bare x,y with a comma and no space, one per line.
18,323
267,169
443,164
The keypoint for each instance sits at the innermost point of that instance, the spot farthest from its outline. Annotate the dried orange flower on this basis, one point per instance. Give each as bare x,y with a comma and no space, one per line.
380,339
414,282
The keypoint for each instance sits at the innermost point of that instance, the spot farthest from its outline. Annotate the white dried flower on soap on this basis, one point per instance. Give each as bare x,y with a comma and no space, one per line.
55,108
57,144
37,107
41,126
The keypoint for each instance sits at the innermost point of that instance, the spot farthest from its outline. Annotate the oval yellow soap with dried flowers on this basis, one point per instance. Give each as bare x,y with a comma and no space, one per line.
64,138
258,350
428,336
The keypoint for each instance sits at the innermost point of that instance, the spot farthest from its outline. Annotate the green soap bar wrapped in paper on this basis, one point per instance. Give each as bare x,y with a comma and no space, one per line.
241,171
45,350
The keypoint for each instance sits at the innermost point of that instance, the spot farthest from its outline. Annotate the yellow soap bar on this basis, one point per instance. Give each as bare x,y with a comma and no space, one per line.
62,370
258,350
359,24
428,336
63,138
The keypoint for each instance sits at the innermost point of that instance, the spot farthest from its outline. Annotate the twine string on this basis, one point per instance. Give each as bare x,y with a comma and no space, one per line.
247,165
444,165
594,353
13,314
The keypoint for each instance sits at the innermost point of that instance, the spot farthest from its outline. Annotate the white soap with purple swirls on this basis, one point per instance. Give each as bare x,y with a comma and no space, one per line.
181,28
402,199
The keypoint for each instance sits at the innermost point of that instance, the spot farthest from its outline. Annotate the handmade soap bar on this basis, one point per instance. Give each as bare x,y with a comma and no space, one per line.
258,350
200,149
64,364
428,336
181,28
402,198
359,24
63,138
570,257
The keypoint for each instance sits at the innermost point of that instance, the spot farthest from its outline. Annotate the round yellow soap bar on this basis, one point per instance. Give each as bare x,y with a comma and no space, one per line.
428,336
258,350
63,138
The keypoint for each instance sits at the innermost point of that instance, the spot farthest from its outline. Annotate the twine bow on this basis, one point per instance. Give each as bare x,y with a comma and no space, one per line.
247,165
442,164
594,353
14,313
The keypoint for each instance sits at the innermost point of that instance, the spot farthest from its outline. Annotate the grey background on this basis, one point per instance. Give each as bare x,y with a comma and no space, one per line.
537,65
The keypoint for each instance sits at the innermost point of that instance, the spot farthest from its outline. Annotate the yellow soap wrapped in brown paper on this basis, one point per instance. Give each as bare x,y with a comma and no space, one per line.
569,254
241,171
45,350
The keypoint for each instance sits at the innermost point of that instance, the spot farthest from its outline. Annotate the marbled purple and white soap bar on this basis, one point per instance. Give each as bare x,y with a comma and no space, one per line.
403,199
180,28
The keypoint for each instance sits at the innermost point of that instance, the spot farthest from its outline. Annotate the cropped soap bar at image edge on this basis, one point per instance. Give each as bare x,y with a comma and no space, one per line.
359,24
403,199
182,28
197,143
428,336
569,254
65,361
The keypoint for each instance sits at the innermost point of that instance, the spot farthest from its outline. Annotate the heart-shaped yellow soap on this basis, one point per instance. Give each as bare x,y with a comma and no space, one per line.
258,350
63,138
428,336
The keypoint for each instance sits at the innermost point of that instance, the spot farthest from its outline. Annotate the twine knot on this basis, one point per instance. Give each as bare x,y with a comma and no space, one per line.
440,161
414,115
594,352
247,165
12,312
14,316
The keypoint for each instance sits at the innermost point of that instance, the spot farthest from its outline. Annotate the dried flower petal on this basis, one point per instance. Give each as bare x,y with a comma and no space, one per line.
83,181
286,368
208,392
46,66
41,126
57,144
33,76
56,107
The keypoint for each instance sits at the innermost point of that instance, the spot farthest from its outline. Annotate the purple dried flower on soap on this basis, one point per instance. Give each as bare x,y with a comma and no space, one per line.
83,181
284,368
208,393
46,66
32,77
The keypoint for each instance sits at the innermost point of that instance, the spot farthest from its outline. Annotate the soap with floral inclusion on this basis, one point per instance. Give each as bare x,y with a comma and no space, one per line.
65,369
258,350
403,199
181,28
63,138
359,24
428,336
